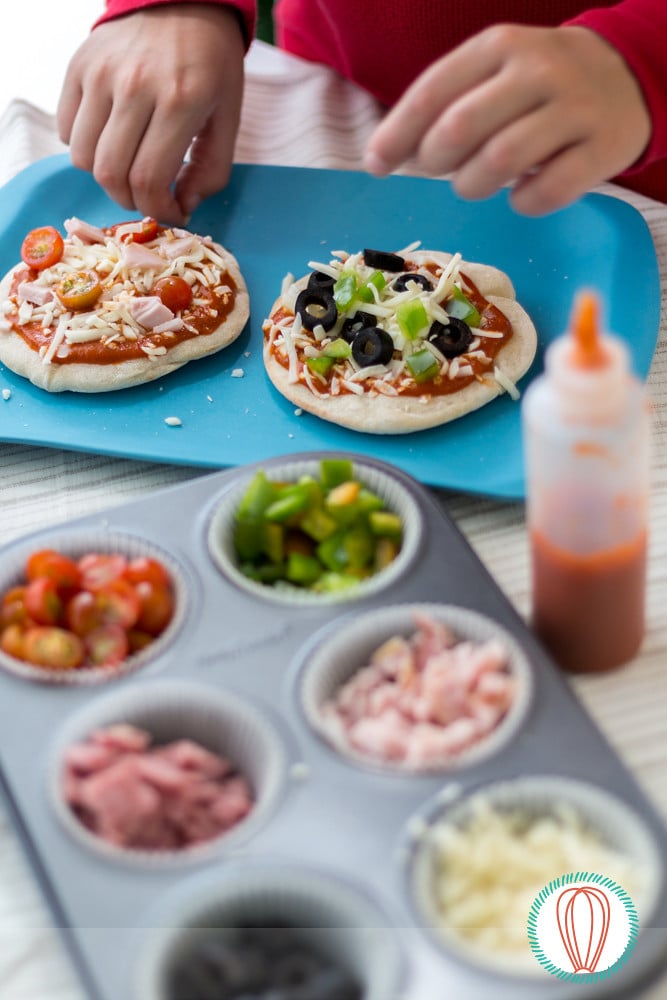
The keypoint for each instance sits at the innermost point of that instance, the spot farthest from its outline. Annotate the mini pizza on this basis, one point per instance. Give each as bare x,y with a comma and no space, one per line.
391,343
108,308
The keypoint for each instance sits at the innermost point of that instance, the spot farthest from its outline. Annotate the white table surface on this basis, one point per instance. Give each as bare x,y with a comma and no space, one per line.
41,486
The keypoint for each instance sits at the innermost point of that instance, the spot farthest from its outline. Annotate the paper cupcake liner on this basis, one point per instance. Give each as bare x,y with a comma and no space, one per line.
395,495
75,545
218,721
344,651
618,827
327,914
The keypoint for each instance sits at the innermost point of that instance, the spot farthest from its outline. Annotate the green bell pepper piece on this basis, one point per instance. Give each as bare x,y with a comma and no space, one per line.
359,545
248,535
331,552
334,471
317,524
291,501
260,493
365,292
385,524
273,544
338,348
412,318
321,365
423,366
460,307
345,290
302,569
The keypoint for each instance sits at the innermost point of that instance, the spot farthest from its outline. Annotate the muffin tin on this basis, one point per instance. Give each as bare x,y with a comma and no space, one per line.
333,842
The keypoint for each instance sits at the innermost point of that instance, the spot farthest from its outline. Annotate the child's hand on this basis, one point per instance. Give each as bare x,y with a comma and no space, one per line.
553,111
139,91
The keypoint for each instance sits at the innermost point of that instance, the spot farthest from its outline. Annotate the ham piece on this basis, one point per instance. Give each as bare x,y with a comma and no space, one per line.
171,249
85,232
149,311
32,291
137,255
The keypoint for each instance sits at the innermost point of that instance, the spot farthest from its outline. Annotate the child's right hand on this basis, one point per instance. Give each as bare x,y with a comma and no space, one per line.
140,90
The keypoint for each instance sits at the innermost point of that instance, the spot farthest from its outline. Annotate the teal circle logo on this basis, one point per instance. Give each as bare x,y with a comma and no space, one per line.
582,927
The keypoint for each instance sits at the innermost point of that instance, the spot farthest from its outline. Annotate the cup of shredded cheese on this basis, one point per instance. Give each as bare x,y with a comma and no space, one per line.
478,865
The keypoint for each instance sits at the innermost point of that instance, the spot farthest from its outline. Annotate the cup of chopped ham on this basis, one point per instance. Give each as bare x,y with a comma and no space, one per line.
278,930
165,771
417,687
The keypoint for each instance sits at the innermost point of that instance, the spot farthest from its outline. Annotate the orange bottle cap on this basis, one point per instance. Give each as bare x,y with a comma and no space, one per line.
589,351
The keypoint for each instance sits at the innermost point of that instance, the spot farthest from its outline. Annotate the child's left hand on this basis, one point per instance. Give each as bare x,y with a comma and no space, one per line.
552,111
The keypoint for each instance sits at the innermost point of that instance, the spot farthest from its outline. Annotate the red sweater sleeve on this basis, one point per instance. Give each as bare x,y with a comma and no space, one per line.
247,10
638,30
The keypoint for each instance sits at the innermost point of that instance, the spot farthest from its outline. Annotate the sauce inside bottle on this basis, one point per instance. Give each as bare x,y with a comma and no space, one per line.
586,434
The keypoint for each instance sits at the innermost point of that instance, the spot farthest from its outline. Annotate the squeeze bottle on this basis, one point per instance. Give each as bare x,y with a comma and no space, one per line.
586,439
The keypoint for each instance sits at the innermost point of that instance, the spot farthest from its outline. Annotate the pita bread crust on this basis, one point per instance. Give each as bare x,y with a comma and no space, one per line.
79,377
405,414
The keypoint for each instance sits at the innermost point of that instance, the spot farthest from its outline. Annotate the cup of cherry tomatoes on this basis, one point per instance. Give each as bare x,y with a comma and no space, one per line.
86,615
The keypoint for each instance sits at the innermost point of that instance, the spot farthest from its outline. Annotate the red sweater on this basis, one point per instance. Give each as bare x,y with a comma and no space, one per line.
382,45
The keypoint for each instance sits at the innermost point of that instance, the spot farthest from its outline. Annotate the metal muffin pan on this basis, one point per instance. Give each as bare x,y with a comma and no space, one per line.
344,829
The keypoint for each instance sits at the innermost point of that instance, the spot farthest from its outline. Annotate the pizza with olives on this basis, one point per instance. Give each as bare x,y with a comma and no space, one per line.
106,308
425,336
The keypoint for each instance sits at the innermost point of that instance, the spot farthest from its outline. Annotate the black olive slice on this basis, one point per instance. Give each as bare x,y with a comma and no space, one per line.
316,309
321,282
372,346
401,282
452,339
383,261
353,324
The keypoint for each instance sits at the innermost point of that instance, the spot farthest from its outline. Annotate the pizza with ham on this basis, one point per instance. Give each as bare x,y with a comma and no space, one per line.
106,308
391,343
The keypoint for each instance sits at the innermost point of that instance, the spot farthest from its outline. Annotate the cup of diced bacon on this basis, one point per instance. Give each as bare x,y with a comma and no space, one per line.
417,687
164,771
83,613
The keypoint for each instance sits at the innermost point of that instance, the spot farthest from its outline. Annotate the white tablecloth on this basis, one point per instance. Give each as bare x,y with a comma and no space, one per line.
299,114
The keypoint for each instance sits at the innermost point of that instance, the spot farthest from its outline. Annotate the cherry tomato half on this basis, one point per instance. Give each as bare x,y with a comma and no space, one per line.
98,569
157,607
42,601
79,290
53,647
47,562
12,641
13,610
42,248
107,646
149,230
174,292
143,569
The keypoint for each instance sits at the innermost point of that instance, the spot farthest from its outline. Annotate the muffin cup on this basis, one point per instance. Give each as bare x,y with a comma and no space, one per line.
218,721
343,652
617,825
327,914
395,495
75,545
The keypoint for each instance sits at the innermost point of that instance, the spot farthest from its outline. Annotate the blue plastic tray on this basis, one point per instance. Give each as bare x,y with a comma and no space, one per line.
276,219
